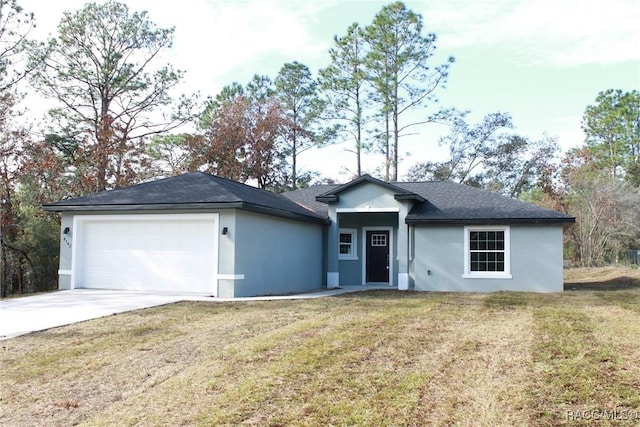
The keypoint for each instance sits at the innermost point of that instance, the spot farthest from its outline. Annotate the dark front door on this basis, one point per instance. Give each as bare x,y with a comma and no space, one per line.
378,256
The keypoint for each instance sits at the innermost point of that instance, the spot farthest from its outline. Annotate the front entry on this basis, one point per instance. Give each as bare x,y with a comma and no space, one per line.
377,259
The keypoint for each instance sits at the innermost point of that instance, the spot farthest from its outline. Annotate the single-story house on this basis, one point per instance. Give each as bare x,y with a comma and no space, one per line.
205,234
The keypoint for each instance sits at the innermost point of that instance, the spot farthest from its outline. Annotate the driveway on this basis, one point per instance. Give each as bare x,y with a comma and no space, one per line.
19,316
22,315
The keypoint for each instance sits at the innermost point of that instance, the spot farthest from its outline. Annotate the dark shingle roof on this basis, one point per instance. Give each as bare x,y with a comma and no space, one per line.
306,197
447,203
444,202
195,190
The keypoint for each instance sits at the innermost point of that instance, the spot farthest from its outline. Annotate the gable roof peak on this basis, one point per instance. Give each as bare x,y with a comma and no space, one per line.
332,195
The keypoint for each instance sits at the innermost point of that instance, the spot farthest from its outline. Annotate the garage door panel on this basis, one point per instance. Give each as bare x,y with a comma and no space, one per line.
163,253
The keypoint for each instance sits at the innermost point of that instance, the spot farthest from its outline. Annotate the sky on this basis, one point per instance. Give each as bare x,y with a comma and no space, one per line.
541,61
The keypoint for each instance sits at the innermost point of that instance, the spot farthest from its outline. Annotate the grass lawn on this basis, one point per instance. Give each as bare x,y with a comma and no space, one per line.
373,358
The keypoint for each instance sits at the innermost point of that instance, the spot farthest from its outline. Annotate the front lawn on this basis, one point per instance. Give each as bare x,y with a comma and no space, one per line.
372,358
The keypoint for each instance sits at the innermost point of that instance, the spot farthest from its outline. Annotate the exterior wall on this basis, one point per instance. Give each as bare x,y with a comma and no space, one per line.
64,269
276,256
536,260
367,195
227,277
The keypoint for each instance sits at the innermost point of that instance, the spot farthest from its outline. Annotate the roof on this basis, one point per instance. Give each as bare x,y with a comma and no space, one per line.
433,202
333,195
306,197
442,202
195,190
451,203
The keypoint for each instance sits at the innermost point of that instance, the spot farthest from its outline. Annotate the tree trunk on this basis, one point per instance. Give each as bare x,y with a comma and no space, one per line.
387,160
294,177
5,266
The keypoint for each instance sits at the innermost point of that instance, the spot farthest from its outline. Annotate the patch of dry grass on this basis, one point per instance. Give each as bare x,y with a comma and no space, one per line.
373,358
613,277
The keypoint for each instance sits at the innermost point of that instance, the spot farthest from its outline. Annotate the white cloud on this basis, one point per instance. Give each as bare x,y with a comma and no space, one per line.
555,32
222,41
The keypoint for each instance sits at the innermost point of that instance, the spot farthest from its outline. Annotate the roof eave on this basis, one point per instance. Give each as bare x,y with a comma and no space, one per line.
328,199
139,207
487,221
312,218
409,196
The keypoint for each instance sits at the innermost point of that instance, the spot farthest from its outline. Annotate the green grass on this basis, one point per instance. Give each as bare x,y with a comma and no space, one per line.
373,358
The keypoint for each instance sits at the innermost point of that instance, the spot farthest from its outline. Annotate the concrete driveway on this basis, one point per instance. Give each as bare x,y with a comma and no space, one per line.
19,316
22,315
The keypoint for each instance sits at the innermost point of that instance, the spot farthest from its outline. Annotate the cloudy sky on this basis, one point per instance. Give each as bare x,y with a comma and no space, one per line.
541,61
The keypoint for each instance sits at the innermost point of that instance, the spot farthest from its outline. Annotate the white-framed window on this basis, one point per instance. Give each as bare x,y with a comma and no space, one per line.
347,244
487,252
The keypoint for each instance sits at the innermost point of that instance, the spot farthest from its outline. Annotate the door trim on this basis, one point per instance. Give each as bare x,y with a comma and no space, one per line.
364,255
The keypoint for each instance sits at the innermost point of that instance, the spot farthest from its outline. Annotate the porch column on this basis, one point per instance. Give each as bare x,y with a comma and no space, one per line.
333,275
403,250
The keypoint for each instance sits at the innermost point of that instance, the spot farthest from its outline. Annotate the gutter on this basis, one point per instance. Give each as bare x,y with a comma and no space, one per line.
311,218
487,221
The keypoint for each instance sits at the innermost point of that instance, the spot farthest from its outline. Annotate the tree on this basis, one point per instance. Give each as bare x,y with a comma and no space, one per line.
101,69
240,141
15,26
169,153
398,67
489,156
612,128
228,94
297,93
520,165
344,80
607,215
11,141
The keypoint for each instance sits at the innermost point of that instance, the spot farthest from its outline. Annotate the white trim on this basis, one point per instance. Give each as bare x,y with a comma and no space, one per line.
403,281
354,248
65,272
230,276
80,220
411,238
364,253
333,280
74,251
468,274
366,209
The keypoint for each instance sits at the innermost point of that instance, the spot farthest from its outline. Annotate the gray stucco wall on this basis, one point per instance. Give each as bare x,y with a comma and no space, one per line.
64,276
276,256
536,260
227,253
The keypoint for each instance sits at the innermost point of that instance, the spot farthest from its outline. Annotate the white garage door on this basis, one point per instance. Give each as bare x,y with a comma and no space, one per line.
147,252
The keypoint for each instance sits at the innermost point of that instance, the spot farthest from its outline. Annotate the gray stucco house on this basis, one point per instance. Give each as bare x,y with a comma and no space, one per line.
205,234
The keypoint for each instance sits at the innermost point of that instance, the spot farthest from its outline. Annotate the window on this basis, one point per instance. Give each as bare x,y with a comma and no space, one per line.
487,252
378,240
347,242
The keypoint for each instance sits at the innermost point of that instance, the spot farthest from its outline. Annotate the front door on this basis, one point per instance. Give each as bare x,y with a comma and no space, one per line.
377,270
